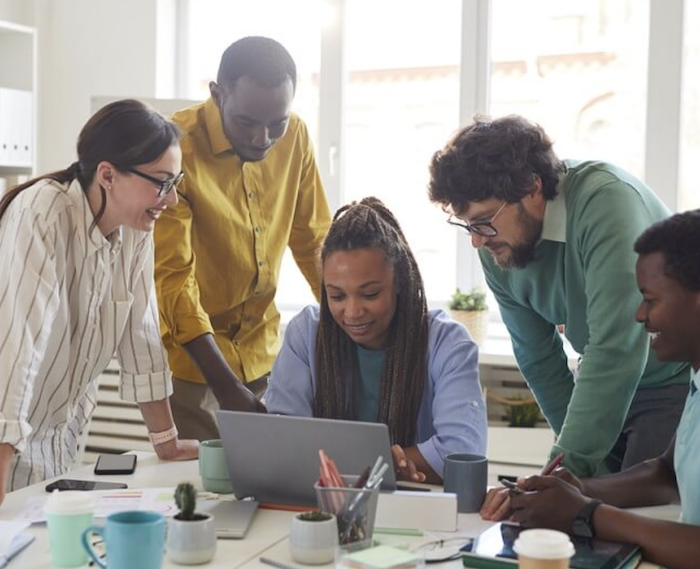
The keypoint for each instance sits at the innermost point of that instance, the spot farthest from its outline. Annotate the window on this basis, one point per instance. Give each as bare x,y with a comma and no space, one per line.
689,197
579,69
213,25
402,104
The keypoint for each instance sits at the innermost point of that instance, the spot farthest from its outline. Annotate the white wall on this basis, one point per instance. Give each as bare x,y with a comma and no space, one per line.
17,11
88,48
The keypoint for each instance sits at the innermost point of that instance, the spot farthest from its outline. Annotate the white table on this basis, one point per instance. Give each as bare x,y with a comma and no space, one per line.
267,535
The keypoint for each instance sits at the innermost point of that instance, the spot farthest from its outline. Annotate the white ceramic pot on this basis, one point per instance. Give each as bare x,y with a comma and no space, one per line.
191,542
313,542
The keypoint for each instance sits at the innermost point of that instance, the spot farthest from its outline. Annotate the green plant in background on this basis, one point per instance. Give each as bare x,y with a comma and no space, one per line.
313,516
474,300
522,413
186,500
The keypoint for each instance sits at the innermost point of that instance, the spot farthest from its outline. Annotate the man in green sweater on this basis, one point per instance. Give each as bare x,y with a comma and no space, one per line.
555,240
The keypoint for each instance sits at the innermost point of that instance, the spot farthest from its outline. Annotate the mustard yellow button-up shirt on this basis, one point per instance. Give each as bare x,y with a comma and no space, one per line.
219,250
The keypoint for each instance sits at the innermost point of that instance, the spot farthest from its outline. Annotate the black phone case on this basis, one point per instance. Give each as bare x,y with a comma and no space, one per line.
126,470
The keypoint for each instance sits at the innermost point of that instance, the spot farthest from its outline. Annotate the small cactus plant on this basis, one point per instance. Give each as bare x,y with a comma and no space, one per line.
186,500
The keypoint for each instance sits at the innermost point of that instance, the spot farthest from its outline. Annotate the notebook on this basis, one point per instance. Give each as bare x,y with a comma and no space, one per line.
274,458
493,549
232,518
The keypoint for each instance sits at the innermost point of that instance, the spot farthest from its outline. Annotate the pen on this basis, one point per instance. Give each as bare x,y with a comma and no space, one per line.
277,564
375,467
376,480
362,479
552,466
512,486
399,531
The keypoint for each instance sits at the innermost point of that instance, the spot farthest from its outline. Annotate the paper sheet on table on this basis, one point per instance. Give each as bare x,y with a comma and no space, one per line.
8,531
109,502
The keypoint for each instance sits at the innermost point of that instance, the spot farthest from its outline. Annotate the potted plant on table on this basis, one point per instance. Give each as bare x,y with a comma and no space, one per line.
471,310
313,537
191,535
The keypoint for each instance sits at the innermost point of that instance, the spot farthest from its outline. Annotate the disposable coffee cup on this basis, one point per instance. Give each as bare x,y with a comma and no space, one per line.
543,549
68,514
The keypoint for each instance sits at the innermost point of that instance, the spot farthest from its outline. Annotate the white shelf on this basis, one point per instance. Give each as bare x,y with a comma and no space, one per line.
18,45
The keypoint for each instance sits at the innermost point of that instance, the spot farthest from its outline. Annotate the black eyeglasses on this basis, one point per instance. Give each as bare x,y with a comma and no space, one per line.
483,228
164,186
442,550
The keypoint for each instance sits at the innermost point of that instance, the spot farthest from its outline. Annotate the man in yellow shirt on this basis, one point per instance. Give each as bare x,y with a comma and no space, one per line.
251,189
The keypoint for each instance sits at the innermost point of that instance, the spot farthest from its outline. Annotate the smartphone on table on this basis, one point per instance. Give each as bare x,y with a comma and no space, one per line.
115,464
69,484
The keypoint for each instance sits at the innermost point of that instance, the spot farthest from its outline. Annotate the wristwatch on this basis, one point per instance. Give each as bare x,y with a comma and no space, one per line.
583,524
163,436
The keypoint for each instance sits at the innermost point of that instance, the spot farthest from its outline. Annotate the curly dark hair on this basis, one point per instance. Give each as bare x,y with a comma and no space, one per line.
264,60
370,225
678,238
493,159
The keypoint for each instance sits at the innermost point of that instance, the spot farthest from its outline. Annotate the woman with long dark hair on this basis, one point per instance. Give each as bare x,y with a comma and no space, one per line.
76,287
373,352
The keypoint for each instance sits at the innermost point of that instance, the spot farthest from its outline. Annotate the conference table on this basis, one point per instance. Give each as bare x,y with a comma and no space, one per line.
267,535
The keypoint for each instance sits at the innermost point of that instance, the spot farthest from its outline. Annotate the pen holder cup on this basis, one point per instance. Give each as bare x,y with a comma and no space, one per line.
354,508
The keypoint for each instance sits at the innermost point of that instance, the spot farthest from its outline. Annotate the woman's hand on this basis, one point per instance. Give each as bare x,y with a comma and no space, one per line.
178,449
405,468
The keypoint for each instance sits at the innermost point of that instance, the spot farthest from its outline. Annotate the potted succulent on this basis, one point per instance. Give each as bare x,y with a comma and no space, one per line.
313,538
191,535
523,413
471,310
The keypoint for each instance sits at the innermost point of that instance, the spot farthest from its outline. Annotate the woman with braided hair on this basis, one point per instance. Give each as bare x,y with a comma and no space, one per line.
373,352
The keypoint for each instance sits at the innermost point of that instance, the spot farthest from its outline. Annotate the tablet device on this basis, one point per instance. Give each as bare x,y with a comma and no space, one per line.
493,549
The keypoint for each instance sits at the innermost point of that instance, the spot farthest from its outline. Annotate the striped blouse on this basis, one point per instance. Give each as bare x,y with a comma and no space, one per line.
69,299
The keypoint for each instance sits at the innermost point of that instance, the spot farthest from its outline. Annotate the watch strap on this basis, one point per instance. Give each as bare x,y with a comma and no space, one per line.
585,516
163,436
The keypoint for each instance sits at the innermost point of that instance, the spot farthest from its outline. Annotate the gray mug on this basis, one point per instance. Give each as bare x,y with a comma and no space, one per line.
465,475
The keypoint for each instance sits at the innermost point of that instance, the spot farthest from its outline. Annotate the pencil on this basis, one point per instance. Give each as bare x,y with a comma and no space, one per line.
552,466
276,564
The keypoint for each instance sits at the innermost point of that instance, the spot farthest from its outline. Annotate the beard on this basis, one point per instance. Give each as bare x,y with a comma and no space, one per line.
522,253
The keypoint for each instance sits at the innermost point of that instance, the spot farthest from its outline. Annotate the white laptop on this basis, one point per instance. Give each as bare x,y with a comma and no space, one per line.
274,458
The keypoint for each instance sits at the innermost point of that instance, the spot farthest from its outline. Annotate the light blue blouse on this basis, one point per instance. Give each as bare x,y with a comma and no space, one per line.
687,454
452,416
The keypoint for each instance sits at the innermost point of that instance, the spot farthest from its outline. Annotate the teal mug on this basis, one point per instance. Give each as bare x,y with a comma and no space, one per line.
213,468
132,539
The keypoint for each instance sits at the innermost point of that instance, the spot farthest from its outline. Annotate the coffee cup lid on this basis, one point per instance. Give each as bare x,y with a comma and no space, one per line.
69,502
543,544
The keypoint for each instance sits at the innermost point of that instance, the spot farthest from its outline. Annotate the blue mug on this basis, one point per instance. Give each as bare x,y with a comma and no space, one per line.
132,539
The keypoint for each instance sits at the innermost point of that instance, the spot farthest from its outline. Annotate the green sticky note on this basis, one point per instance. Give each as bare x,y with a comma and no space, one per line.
382,557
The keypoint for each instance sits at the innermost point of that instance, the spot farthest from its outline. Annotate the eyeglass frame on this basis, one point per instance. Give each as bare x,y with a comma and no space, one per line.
477,225
164,186
448,545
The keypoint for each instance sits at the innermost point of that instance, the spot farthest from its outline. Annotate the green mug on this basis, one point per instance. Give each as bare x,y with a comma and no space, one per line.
68,514
213,468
